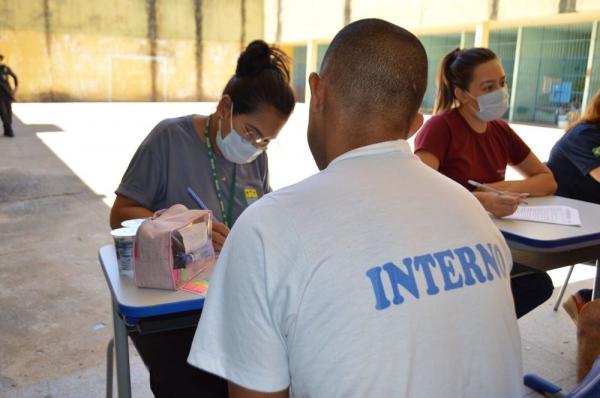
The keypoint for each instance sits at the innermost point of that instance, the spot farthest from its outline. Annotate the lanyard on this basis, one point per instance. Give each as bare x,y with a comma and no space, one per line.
226,214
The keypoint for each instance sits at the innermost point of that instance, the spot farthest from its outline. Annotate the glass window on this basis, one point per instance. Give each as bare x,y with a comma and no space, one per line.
299,72
551,72
504,44
595,77
469,40
437,46
321,50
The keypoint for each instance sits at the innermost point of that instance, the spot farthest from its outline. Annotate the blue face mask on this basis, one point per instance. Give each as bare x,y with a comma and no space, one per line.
234,148
492,105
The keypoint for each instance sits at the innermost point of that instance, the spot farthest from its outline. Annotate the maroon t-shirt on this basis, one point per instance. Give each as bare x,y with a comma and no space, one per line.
465,154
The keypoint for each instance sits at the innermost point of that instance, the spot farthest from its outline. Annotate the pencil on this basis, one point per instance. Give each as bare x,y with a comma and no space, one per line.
484,187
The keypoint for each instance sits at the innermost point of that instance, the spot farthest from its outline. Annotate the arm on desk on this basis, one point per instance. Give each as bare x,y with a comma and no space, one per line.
498,205
236,391
538,179
125,208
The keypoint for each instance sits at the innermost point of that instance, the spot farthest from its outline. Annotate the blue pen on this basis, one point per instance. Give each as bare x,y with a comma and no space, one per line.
196,198
199,202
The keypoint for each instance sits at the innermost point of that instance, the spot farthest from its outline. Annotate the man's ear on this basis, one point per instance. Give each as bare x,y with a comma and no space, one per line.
415,125
223,107
317,91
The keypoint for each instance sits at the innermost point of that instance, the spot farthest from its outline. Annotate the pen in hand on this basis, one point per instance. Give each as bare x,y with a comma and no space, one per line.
219,230
487,188
199,201
196,198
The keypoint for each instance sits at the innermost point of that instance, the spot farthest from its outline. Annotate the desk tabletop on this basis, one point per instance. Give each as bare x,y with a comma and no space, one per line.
135,302
551,237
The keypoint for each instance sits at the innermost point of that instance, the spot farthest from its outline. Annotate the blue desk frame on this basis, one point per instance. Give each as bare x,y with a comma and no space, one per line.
549,246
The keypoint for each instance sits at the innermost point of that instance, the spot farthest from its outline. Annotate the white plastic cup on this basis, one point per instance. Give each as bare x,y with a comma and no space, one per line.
133,223
123,238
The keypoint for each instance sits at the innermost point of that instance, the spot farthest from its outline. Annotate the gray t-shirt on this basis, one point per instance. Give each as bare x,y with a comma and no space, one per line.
173,157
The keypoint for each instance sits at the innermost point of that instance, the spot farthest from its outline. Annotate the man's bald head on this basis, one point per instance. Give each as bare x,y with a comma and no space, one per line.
378,69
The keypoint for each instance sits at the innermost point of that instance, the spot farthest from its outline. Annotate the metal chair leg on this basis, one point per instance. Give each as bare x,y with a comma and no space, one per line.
563,288
109,368
596,291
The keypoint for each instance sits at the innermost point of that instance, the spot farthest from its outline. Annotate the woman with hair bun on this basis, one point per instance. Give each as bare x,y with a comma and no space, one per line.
222,158
466,139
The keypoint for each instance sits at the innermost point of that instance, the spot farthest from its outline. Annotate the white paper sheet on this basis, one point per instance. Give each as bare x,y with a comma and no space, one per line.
194,236
562,215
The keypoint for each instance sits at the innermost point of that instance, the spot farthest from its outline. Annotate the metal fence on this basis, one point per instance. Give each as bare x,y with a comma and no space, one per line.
551,75
545,68
437,46
594,62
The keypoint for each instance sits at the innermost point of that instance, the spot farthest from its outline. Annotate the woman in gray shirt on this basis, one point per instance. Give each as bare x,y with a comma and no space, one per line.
222,158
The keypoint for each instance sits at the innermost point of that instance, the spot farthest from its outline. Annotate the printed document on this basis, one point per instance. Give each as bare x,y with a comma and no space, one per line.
562,215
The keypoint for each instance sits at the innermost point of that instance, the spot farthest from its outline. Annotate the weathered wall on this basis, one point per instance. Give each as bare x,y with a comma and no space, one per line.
76,50
292,21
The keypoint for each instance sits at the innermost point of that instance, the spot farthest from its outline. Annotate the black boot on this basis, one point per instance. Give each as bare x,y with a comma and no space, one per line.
9,133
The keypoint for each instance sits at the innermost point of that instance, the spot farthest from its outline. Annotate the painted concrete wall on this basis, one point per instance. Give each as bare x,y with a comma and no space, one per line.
519,9
314,19
76,50
588,5
299,21
424,13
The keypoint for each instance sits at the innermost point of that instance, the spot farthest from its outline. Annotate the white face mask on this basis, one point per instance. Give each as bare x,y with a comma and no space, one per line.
492,105
234,148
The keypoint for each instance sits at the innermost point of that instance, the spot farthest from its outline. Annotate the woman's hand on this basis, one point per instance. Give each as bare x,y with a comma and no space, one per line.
219,234
501,205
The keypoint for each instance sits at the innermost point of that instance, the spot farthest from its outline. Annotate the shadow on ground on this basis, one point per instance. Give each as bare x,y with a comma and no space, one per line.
55,319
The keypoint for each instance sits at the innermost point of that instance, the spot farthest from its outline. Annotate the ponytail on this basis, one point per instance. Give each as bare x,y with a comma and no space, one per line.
456,71
444,99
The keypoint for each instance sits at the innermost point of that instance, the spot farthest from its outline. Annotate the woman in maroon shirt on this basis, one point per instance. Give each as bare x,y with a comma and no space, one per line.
465,140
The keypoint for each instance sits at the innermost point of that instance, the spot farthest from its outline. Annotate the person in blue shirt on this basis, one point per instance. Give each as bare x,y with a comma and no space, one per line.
575,162
575,158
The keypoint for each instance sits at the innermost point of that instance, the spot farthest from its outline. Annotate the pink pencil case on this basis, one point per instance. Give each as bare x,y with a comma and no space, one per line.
172,247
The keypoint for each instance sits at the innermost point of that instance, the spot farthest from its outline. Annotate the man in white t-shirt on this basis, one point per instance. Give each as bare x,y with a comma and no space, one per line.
376,277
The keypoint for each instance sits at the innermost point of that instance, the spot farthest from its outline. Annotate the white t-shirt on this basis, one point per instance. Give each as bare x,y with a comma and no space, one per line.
377,277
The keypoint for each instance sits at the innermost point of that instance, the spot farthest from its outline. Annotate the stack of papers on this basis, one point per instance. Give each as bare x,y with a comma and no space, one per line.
562,215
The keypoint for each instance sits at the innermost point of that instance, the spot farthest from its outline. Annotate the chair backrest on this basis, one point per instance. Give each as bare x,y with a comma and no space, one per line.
589,387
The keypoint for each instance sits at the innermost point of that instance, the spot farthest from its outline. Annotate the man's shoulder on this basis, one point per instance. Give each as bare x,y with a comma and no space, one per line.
285,198
285,202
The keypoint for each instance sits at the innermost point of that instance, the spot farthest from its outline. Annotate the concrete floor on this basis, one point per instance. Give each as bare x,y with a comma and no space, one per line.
56,183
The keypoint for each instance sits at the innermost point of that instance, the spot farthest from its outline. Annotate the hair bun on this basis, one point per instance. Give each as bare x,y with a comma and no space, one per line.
254,59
